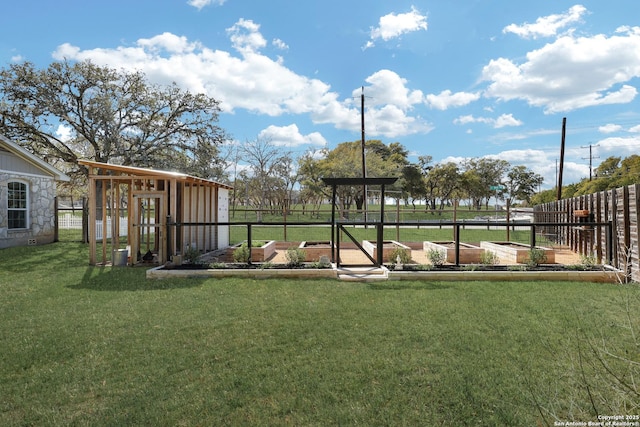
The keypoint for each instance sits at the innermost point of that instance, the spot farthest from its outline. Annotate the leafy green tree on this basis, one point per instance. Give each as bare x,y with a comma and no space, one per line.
608,167
446,177
413,184
482,174
108,116
522,183
344,162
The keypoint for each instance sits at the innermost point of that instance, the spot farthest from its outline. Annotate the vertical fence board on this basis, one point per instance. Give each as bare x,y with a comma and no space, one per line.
621,206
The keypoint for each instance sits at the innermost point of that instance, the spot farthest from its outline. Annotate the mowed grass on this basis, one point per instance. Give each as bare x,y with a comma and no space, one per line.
85,345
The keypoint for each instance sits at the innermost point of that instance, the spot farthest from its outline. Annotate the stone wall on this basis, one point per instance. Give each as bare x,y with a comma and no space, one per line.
42,191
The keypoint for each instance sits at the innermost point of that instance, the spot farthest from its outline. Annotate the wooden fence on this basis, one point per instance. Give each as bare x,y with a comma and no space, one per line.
620,206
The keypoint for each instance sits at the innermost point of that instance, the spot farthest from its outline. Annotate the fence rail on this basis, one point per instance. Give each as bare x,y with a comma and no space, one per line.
73,222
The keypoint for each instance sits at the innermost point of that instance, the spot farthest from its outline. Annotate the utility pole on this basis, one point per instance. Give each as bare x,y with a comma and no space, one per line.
364,161
590,158
564,132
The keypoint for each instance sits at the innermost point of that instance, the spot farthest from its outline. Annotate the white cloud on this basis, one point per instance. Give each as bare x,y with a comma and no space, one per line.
64,133
609,128
570,73
506,120
387,87
547,26
280,44
634,129
252,81
290,136
394,25
245,36
388,102
540,162
502,121
447,99
391,121
617,146
199,4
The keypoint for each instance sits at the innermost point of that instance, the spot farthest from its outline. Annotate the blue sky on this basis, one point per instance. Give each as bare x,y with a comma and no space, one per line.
451,79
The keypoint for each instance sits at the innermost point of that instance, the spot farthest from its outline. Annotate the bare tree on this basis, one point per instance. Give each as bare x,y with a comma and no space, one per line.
266,161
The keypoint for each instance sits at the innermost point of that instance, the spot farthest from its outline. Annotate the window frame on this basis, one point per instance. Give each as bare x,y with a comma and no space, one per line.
24,209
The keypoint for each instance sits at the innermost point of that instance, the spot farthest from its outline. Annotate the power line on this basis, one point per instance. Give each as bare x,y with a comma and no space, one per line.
591,157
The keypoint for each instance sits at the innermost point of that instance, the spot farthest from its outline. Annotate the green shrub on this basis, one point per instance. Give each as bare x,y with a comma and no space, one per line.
489,258
404,255
295,257
241,253
536,257
266,265
437,257
191,254
588,261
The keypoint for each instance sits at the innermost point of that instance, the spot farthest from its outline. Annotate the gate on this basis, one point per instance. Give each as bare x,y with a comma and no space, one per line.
336,227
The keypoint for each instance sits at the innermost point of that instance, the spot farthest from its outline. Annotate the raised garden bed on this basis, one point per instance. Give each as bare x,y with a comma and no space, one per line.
315,250
596,274
513,252
388,248
469,254
243,270
260,253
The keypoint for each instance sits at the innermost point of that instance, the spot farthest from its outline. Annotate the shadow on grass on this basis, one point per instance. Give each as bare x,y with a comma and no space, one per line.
27,258
402,286
114,279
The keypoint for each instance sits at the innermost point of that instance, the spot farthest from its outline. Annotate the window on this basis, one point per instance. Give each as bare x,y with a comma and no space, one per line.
17,205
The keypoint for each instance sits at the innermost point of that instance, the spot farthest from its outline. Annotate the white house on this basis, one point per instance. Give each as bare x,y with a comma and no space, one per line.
27,197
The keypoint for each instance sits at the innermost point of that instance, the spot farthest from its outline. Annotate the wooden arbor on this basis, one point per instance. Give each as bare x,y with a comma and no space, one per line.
142,204
363,182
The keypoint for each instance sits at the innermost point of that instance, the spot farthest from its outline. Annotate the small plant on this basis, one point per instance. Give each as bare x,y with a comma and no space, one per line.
536,257
423,267
217,265
191,254
399,253
295,257
436,256
489,258
470,267
319,264
588,261
266,265
241,253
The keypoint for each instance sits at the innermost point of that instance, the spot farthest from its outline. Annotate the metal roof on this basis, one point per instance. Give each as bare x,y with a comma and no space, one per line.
135,171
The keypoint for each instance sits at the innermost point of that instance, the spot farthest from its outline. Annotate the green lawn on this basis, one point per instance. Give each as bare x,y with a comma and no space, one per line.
91,346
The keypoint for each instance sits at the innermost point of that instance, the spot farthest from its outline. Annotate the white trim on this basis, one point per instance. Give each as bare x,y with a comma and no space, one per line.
27,209
32,175
24,154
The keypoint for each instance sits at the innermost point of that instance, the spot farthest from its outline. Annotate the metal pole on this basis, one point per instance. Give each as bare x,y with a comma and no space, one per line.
249,242
456,238
364,161
533,236
333,223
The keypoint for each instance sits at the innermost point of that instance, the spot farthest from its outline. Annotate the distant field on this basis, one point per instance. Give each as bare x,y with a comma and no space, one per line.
86,345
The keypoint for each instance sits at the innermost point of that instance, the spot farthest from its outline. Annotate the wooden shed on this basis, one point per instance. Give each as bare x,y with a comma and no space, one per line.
144,204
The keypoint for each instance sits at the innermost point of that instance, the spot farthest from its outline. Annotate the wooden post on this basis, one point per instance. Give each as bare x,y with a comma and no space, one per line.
559,183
